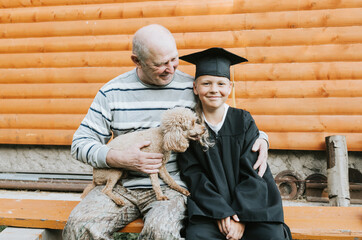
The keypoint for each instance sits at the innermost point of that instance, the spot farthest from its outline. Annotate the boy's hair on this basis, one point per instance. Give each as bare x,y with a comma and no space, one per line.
205,140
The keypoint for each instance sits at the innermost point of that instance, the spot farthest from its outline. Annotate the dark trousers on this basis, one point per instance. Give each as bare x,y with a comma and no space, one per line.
208,229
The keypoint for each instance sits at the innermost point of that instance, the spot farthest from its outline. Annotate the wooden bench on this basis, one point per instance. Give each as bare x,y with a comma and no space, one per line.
305,222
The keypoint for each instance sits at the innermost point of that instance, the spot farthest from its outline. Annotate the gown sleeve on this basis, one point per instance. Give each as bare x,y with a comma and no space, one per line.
255,198
204,200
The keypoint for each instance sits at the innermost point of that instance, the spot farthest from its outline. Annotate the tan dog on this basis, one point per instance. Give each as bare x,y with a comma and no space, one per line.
178,126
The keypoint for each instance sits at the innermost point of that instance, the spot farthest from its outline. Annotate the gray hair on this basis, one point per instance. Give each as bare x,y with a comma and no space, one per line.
140,49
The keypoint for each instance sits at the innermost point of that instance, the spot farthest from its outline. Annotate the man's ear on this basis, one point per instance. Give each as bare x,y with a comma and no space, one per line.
136,60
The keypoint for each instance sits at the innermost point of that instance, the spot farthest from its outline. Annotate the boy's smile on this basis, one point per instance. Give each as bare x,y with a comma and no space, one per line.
213,91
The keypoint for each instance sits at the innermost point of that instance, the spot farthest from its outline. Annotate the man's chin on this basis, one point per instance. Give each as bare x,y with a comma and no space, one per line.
165,79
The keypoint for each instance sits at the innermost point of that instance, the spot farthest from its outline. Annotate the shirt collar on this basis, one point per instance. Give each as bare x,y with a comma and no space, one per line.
216,128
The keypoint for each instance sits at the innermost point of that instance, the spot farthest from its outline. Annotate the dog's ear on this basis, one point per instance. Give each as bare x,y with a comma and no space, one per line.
174,140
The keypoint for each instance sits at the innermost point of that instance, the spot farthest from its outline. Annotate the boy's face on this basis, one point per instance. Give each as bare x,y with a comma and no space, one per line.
212,91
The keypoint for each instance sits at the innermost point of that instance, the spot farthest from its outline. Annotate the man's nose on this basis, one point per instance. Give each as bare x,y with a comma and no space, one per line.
170,67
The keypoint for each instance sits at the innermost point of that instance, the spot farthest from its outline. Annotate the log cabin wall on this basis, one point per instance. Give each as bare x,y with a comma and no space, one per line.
303,80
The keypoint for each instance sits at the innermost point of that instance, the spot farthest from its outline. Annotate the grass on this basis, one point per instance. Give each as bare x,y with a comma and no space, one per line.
2,228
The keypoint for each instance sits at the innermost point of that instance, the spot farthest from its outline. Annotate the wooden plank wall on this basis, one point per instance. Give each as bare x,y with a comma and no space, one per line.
303,80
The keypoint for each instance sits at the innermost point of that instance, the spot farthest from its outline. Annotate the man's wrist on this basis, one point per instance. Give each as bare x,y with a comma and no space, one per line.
111,158
264,136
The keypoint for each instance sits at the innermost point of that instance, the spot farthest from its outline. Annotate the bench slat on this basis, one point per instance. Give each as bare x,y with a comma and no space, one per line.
305,222
52,214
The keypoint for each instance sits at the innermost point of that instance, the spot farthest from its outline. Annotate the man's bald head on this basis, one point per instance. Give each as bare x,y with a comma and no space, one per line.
151,38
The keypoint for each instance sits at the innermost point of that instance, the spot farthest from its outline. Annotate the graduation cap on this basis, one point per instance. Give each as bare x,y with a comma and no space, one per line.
213,61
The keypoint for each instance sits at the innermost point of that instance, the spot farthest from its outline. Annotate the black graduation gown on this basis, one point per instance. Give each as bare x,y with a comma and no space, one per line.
222,181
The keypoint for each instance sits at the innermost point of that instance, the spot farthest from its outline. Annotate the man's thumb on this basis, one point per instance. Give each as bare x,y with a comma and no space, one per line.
143,144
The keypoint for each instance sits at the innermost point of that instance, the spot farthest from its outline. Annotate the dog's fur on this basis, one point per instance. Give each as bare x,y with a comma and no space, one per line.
178,126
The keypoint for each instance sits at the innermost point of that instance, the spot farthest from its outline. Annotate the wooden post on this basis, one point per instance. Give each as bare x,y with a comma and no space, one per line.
337,171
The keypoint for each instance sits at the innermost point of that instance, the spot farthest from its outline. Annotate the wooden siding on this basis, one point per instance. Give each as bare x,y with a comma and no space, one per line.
303,81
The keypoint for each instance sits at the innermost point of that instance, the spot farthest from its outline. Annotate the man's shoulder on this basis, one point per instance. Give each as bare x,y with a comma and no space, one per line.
130,76
183,77
121,81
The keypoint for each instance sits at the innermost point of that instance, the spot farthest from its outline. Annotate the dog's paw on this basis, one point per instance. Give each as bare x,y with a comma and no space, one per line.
119,202
186,193
162,198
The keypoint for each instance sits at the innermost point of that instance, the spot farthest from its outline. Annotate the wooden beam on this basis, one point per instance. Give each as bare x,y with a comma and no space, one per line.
278,140
108,9
301,106
267,123
243,89
297,89
189,40
41,121
182,24
62,75
324,222
52,214
240,5
287,54
243,72
310,141
36,136
46,105
337,171
39,3
51,90
257,106
309,123
147,9
305,222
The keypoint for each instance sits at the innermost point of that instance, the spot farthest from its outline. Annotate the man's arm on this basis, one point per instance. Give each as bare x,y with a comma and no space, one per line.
89,143
261,145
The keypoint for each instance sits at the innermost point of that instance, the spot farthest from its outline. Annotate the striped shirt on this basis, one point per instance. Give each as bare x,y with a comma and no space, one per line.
126,104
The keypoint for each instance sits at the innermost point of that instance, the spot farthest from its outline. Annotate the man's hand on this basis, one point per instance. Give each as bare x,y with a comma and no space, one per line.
135,159
232,228
261,146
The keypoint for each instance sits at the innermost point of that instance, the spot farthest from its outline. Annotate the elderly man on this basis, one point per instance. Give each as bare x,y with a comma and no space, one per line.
133,101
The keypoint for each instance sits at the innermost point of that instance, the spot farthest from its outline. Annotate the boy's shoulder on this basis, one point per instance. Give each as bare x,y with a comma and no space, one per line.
239,118
239,111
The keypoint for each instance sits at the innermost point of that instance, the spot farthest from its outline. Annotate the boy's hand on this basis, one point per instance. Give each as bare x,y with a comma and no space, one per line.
236,230
231,227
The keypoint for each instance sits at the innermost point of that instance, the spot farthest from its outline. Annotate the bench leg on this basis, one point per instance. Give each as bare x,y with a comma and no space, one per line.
13,233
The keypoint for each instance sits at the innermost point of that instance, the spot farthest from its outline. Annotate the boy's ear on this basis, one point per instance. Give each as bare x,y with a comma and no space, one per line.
231,86
136,60
195,90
